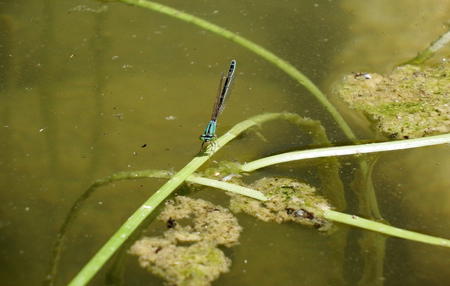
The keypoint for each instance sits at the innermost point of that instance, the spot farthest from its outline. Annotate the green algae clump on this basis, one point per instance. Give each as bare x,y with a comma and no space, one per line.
289,201
209,222
200,227
410,102
196,264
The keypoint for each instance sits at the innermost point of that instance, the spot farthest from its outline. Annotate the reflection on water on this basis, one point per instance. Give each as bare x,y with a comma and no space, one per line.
88,89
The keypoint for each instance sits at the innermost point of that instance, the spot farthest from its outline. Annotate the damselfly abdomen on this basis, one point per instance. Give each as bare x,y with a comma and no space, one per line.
224,89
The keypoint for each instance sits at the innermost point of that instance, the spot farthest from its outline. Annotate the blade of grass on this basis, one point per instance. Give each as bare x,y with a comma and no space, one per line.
228,187
347,150
385,229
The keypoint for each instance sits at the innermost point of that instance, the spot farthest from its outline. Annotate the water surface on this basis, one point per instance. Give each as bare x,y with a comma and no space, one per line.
91,88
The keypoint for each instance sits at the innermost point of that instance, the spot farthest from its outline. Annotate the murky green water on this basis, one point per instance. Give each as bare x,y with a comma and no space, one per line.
85,85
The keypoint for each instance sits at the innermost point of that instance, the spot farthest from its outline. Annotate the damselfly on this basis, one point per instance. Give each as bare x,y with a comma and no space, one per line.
224,88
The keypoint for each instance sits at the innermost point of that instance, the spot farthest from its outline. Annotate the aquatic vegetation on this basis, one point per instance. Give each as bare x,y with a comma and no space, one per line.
209,222
188,254
186,234
186,174
410,102
196,264
288,201
200,262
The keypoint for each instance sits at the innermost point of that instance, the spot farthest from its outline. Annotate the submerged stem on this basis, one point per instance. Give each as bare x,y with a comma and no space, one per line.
78,206
435,46
257,49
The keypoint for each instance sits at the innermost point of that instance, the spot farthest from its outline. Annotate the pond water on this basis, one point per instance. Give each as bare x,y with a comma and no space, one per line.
91,88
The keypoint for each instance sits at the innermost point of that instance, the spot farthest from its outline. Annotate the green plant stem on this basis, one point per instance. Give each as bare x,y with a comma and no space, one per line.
227,187
335,216
132,223
78,205
346,150
257,49
385,229
338,216
435,46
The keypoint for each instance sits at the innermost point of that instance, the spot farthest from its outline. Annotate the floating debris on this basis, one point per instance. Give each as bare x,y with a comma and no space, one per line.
84,8
410,102
200,227
289,200
170,117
